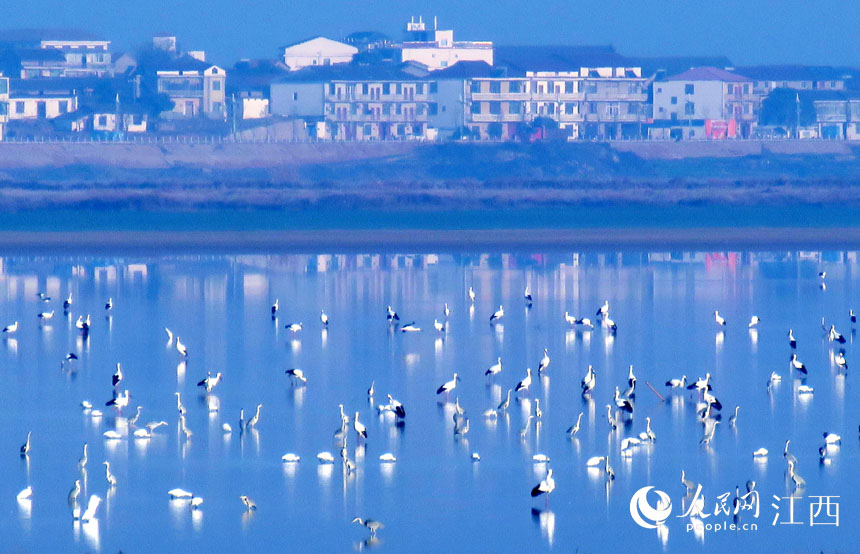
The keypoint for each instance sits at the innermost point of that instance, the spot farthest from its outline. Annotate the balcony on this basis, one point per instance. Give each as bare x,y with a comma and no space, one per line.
381,118
616,96
357,97
503,118
617,118
501,96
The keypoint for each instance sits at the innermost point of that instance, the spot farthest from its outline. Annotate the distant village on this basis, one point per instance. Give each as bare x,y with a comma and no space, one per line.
64,85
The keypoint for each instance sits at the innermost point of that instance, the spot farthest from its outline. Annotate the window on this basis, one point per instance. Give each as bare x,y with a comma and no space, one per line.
364,88
330,90
216,85
673,100
19,107
515,86
475,108
569,87
295,96
659,89
434,88
433,108
541,88
495,87
444,63
103,121
4,108
570,108
386,88
674,116
550,109
4,86
746,89
475,87
633,108
398,88
419,88
592,107
514,107
689,89
689,108
326,61
495,108
63,106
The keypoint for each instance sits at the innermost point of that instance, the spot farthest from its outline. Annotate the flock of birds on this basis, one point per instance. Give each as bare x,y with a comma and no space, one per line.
619,410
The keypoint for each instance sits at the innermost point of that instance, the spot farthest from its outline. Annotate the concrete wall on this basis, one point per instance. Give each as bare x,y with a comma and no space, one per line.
297,99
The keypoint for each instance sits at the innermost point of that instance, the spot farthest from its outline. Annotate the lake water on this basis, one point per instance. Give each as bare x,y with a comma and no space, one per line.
435,497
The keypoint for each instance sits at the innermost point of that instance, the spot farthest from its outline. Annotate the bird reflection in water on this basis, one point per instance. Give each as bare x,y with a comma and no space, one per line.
546,522
370,542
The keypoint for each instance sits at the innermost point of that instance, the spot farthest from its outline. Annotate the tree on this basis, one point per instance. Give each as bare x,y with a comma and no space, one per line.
780,108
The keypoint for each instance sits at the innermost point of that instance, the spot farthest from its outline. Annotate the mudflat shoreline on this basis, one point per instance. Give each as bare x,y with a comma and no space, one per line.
427,240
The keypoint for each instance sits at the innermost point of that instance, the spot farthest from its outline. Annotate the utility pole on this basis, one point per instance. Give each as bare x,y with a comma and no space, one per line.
797,114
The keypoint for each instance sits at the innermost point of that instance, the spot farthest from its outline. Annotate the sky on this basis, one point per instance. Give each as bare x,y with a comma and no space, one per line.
746,31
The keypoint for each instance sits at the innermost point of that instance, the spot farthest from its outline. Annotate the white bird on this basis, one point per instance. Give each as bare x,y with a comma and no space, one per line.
179,494
760,453
109,304
789,457
574,429
169,336
372,389
840,360
688,485
754,320
527,294
275,307
25,494
388,457
611,420
82,461
254,420
73,495
410,328
11,328
294,327
196,502
544,362
120,402
471,295
733,420
495,369
629,442
797,364
774,378
359,427
648,431
297,375
498,314
153,425
624,404
323,318
585,322
86,405
594,461
25,448
822,275
610,324
448,386
538,411
571,320
226,428
440,327
603,311
540,459
546,486
446,311
791,340
392,315
702,383
372,525
710,429
832,438
132,421
525,430
183,351
396,407
291,458
142,434
799,482
46,315
503,405
589,380
109,477
93,505
325,458
117,375
835,336
476,457
526,382
719,319
803,389
67,303
677,383
112,435
210,382
250,505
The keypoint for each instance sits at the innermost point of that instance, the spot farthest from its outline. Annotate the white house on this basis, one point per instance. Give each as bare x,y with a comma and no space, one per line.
442,51
317,51
40,106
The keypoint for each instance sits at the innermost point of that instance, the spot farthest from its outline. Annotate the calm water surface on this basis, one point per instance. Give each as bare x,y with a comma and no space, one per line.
434,498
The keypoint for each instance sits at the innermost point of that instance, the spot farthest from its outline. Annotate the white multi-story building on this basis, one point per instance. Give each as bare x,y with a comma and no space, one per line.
317,51
59,53
441,50
704,102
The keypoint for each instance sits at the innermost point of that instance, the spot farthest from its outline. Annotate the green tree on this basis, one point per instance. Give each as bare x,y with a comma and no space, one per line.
781,108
